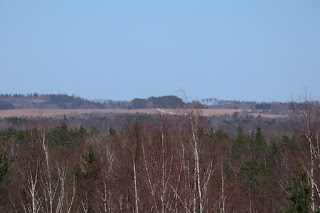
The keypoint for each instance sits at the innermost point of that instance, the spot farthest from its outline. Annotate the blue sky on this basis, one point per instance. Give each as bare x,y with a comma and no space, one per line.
266,50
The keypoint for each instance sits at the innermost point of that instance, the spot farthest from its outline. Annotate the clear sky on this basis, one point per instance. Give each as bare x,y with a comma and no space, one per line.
264,50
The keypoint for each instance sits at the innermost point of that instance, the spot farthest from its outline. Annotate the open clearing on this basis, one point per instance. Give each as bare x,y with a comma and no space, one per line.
60,112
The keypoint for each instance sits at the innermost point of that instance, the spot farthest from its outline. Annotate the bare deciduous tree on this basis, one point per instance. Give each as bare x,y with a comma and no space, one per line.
306,116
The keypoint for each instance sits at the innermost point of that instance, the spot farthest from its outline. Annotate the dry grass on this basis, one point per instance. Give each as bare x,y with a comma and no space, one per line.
268,115
59,112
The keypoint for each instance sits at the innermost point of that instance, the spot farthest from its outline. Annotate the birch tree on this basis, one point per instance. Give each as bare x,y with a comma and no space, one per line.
195,171
306,117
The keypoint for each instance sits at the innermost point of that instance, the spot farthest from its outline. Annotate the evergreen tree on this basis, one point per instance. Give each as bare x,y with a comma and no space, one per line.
4,177
258,142
300,192
61,134
4,167
241,140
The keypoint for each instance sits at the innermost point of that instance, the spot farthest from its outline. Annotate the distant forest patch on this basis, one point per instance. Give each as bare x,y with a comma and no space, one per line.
167,102
6,105
63,101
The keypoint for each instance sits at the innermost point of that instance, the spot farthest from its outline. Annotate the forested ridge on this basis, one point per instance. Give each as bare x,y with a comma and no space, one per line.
64,101
164,163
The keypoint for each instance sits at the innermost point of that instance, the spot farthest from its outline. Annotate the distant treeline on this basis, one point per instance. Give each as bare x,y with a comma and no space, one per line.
63,101
169,101
50,101
6,105
263,106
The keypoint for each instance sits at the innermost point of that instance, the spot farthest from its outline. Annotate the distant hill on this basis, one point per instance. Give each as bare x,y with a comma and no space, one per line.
63,101
169,101
47,101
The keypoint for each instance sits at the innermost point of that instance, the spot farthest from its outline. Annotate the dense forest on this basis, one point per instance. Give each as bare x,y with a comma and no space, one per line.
63,101
48,101
161,163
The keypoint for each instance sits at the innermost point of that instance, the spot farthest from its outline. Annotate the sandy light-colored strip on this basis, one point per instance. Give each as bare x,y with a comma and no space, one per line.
59,112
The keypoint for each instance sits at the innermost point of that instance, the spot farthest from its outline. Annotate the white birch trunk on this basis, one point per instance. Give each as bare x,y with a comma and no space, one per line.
33,180
312,174
135,186
223,197
197,167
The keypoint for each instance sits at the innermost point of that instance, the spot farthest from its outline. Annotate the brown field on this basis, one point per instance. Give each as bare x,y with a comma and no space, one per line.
59,112
269,115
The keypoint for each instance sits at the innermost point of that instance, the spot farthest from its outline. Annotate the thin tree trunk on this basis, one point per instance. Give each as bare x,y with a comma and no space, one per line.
135,185
197,167
223,198
312,174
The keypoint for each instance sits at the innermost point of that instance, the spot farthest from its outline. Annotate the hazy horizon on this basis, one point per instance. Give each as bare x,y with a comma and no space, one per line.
120,50
180,95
